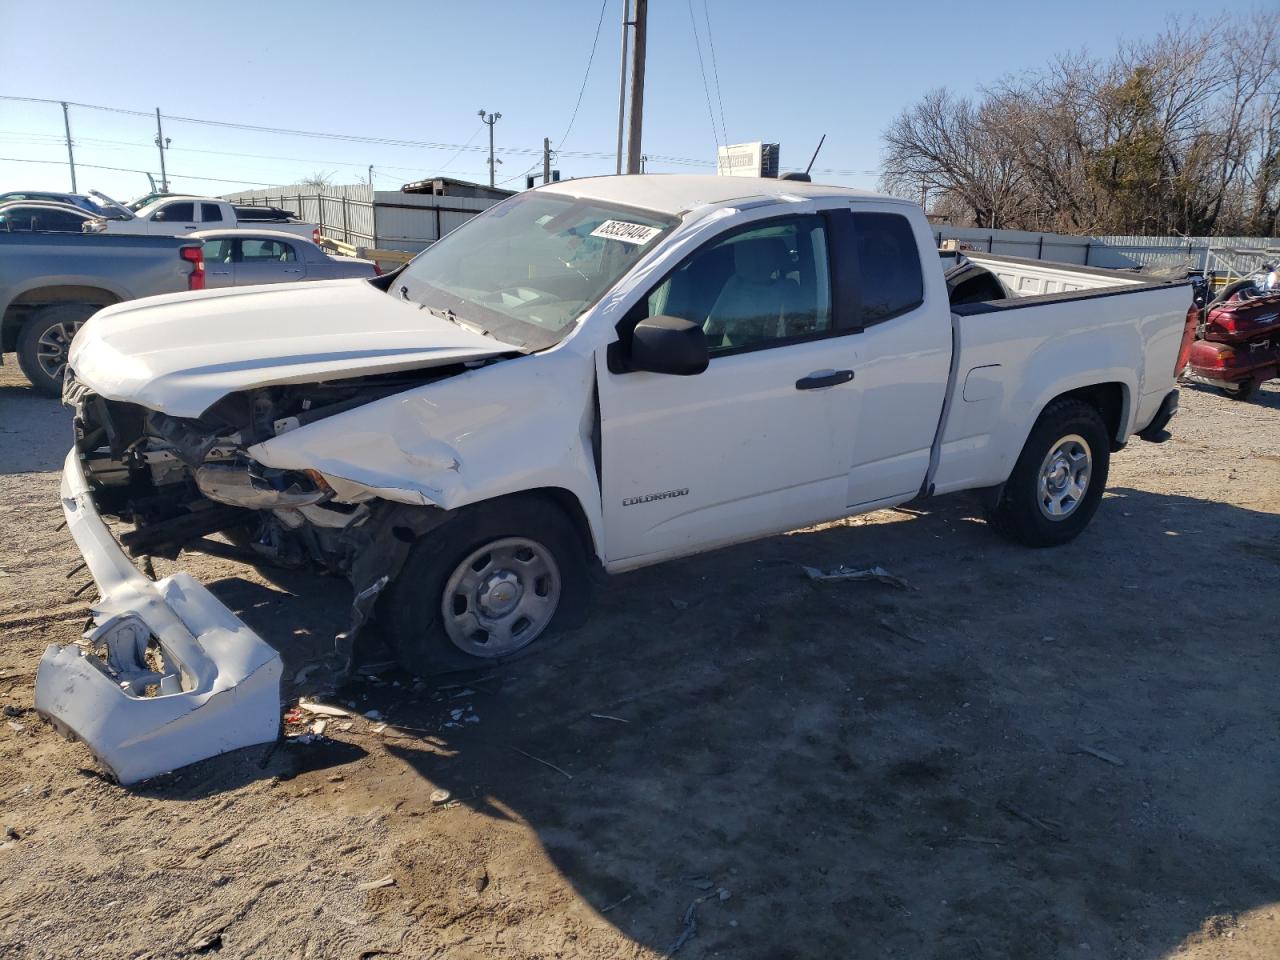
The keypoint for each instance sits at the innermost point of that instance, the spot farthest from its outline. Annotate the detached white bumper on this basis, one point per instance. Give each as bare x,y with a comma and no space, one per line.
216,686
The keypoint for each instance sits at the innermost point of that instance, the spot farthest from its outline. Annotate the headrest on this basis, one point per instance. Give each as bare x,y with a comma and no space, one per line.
758,259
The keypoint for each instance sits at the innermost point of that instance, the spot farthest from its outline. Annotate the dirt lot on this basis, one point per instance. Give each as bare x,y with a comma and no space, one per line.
1066,753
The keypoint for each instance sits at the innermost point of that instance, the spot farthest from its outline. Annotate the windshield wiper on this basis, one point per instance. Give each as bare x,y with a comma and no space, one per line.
446,313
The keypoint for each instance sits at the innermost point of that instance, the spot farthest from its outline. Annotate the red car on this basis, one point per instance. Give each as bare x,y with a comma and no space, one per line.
1236,346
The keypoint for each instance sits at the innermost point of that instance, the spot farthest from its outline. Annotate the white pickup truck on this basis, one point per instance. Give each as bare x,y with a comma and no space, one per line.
175,216
598,374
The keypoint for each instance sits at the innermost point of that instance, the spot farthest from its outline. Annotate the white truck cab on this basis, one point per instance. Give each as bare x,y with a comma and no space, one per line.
601,373
176,215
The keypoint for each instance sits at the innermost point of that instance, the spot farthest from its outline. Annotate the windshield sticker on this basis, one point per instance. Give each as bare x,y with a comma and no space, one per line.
636,233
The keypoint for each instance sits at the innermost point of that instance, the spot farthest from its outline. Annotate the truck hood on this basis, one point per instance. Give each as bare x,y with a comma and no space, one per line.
181,353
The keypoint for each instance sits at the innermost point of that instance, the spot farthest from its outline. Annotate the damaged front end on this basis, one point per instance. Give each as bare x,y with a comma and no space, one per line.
167,675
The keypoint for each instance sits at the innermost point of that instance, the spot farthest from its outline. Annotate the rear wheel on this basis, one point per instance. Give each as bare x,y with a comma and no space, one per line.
45,343
486,585
1057,483
1242,391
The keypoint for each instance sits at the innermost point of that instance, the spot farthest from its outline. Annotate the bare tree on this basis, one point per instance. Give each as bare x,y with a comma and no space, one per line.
1178,133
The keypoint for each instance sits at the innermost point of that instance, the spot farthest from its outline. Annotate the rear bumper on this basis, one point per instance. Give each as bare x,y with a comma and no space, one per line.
1155,432
214,688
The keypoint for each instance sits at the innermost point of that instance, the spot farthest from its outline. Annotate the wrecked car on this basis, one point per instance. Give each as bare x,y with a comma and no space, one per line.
595,375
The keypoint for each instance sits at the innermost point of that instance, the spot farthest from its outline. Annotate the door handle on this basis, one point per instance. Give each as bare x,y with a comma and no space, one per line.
219,273
824,378
292,270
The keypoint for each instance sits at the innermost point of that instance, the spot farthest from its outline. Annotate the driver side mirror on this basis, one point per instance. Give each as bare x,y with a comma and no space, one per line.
669,345
159,215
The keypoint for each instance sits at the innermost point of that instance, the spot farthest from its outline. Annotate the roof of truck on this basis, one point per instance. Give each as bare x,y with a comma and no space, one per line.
675,193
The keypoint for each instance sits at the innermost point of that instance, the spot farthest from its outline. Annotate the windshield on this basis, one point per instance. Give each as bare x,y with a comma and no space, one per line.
525,270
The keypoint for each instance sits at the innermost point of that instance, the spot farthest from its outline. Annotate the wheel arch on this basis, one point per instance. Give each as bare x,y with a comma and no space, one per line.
28,301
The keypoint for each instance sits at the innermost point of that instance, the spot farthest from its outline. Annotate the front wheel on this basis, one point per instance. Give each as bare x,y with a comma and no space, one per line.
1057,483
486,585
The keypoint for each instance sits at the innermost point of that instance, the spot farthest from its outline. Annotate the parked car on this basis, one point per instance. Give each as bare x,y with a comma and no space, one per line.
40,215
238,258
87,204
51,283
600,373
179,215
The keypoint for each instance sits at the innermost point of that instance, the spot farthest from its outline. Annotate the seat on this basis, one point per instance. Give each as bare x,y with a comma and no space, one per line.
755,302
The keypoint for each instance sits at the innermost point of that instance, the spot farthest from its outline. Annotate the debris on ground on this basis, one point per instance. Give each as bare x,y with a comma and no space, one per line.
1052,827
323,709
1102,755
876,573
440,796
387,881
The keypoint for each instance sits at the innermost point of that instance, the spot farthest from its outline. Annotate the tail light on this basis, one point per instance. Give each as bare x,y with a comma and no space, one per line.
315,235
377,270
195,257
1188,337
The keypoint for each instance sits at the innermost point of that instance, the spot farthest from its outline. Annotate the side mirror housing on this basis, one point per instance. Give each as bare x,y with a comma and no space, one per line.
669,345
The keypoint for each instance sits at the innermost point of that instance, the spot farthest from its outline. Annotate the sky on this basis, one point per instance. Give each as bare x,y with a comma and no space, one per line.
419,71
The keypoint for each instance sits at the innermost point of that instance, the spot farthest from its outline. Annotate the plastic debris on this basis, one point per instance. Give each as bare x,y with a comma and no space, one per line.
877,573
370,715
322,709
16,727
440,796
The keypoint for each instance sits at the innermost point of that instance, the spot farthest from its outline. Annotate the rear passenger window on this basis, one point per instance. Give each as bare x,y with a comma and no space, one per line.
891,281
210,212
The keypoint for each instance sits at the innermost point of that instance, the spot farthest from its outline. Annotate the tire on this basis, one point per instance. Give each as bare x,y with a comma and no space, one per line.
1243,391
45,342
1066,429
430,638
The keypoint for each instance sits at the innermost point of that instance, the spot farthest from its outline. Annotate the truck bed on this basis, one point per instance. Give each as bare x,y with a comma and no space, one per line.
1062,327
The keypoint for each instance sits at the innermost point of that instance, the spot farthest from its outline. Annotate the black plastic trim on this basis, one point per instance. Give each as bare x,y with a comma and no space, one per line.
1014,303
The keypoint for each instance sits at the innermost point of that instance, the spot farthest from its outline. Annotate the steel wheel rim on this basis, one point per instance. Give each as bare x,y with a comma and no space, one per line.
53,346
1064,477
501,597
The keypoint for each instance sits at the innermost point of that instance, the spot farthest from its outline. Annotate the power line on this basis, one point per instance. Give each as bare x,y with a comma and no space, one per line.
715,70
583,89
97,166
344,137
693,22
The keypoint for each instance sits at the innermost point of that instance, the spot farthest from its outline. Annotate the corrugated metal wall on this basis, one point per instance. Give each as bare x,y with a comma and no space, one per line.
386,219
1117,252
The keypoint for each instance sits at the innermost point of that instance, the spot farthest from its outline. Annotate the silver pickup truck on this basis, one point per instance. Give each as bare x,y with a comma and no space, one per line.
51,283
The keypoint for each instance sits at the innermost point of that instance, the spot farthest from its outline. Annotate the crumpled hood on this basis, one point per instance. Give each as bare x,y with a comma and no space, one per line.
180,353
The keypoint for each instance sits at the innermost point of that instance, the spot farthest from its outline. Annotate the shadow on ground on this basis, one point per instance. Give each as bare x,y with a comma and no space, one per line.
1028,753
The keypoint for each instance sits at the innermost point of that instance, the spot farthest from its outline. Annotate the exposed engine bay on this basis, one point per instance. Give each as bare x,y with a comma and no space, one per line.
179,480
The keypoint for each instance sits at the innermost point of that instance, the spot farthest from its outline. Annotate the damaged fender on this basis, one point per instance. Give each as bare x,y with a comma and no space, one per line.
181,677
523,424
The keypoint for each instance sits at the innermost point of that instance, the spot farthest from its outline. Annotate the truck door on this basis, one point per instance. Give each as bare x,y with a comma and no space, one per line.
759,441
174,219
211,217
904,349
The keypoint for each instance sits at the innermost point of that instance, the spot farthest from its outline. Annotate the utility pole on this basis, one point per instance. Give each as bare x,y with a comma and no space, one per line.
546,160
163,144
490,121
622,79
637,86
371,181
71,157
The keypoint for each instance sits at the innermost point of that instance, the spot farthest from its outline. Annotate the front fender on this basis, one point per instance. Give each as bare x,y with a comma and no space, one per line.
512,426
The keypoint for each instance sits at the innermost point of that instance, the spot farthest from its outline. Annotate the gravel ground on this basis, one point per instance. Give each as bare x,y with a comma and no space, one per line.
1062,753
